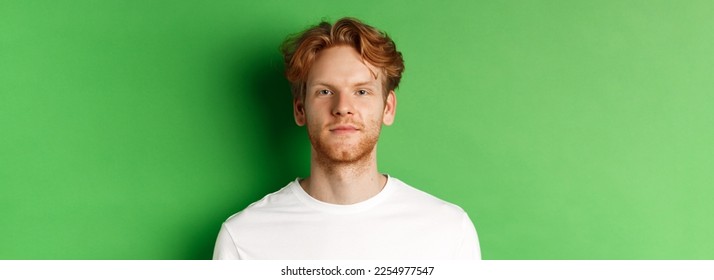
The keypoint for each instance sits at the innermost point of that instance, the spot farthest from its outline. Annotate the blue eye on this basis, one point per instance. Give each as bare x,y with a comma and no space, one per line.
324,92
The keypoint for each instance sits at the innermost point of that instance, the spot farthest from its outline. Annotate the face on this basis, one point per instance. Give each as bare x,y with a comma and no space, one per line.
344,106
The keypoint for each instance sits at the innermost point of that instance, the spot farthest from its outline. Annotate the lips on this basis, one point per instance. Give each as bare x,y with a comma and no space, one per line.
345,128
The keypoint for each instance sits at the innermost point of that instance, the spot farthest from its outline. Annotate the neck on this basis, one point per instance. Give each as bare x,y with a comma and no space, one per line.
344,183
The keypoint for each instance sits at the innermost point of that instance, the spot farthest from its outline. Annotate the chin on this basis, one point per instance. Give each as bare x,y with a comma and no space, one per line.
343,151
344,155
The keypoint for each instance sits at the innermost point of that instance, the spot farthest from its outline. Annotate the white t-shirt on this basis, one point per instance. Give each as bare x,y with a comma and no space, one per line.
400,222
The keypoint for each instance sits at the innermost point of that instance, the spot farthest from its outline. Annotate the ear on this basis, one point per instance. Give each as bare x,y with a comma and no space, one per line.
299,111
390,108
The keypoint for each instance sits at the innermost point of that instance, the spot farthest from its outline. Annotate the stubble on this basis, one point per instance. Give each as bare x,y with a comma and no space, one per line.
335,153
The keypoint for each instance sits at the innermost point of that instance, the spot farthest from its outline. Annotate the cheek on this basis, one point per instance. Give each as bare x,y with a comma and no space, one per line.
313,119
374,119
377,110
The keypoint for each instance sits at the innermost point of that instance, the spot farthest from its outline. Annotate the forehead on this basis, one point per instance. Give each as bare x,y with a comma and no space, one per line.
342,65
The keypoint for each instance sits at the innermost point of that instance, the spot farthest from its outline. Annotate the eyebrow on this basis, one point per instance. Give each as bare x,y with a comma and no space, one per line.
358,84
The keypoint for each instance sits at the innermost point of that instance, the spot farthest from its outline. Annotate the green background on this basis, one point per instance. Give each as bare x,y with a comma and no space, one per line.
566,129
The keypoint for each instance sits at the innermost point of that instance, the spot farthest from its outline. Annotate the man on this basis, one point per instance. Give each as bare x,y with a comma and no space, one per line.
343,78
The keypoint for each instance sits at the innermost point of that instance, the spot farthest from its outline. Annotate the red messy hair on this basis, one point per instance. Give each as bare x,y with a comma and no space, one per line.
374,46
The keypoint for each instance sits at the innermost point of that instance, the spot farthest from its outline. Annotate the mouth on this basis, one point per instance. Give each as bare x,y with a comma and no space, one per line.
341,129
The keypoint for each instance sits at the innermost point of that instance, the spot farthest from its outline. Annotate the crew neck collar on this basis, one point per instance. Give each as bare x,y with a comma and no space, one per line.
367,204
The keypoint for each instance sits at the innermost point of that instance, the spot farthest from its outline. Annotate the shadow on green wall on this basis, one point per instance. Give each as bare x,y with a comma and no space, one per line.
279,149
282,147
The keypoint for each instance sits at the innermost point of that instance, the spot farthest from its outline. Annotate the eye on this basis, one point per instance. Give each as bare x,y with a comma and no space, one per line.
362,92
324,92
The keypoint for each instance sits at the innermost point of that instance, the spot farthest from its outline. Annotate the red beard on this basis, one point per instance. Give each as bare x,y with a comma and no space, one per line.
333,150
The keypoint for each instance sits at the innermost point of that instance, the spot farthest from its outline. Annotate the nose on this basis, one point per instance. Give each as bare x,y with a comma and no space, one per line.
342,105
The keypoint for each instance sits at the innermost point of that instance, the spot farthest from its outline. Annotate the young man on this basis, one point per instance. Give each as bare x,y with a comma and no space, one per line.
343,78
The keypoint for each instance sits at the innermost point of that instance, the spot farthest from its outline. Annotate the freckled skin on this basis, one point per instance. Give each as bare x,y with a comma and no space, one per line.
343,90
344,108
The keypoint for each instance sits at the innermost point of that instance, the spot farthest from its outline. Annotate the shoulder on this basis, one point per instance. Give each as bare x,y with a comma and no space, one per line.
411,197
276,202
446,222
